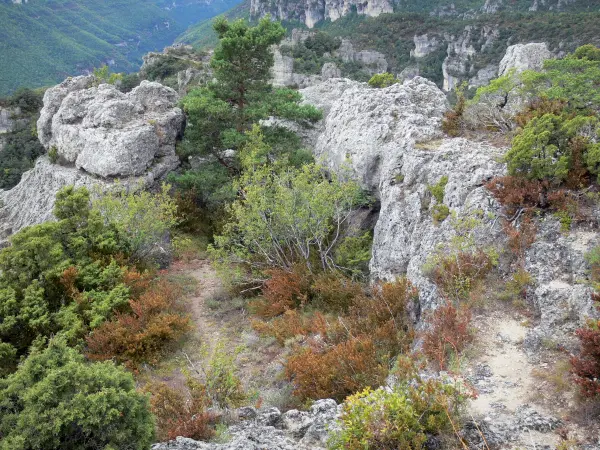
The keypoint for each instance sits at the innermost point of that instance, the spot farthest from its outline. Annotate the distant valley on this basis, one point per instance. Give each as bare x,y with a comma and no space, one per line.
43,41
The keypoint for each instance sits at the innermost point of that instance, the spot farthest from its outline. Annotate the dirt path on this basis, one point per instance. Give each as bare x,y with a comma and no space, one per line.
508,391
218,317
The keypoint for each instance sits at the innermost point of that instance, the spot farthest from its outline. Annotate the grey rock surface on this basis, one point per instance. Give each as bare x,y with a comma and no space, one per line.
521,57
391,140
107,133
269,429
6,120
101,136
310,12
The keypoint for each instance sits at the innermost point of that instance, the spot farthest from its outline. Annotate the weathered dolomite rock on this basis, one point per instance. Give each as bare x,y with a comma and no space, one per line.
330,70
371,60
391,140
311,12
363,120
32,200
269,429
561,294
459,65
521,57
101,135
107,133
7,122
424,45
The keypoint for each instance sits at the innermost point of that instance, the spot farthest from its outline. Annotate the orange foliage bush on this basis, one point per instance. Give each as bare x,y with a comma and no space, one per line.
320,371
448,333
515,193
333,292
521,238
181,412
282,292
345,353
291,324
586,366
138,336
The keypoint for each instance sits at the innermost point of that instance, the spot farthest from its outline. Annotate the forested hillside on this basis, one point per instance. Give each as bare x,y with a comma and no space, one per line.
43,41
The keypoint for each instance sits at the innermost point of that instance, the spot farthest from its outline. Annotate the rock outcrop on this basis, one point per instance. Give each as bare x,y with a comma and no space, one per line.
391,139
522,57
311,12
97,135
107,133
269,429
369,61
6,120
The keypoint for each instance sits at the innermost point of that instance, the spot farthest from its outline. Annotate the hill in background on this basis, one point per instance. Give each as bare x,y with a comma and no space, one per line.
43,41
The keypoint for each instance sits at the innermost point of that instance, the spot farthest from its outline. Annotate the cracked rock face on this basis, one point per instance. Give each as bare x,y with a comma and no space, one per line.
391,140
522,57
100,135
107,133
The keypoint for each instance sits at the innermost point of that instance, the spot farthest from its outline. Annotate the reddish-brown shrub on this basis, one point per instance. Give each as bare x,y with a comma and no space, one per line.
354,350
453,122
154,321
334,292
448,333
292,324
520,238
283,291
335,372
516,193
180,412
586,366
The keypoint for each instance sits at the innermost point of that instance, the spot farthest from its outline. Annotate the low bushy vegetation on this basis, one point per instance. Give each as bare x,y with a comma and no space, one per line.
381,80
70,276
21,146
406,416
57,400
351,345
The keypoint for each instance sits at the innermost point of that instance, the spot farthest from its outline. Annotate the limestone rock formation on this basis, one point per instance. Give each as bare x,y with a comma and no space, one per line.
521,57
392,141
283,74
459,64
269,429
107,133
6,120
372,61
310,12
424,45
99,135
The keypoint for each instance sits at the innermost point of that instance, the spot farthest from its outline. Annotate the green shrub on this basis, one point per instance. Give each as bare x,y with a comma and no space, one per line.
439,212
382,80
53,155
142,218
55,400
354,253
437,190
401,418
552,146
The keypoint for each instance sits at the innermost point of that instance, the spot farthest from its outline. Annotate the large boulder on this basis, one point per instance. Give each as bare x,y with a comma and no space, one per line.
100,136
391,140
105,132
522,57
